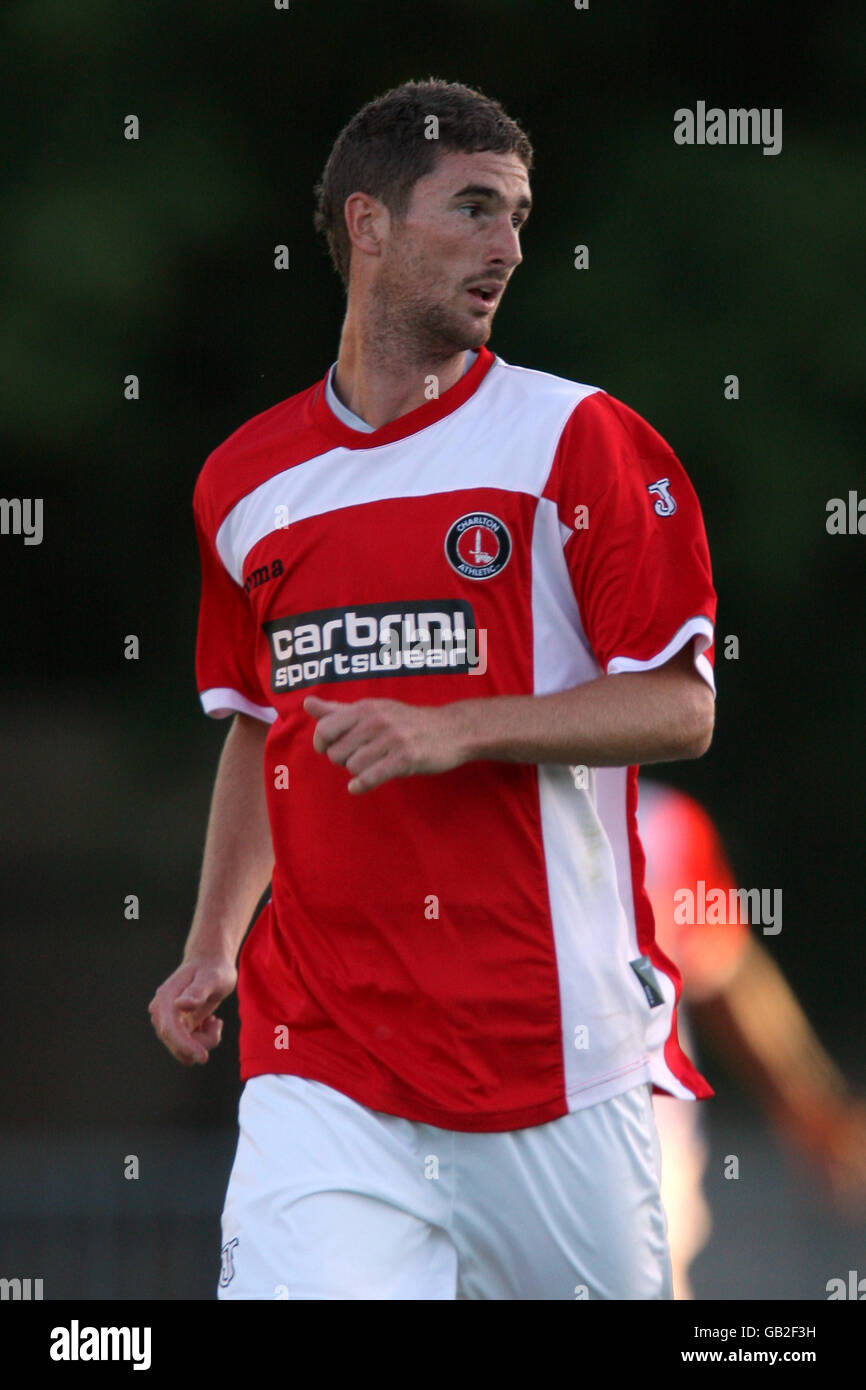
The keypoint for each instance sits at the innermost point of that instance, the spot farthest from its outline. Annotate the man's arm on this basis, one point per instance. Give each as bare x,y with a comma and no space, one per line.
613,721
760,1029
237,866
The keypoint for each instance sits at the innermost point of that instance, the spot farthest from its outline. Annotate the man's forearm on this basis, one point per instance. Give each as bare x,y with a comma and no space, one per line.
614,721
238,856
764,1035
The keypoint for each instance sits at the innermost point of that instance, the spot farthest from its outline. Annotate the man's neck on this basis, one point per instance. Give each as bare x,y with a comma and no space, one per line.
380,389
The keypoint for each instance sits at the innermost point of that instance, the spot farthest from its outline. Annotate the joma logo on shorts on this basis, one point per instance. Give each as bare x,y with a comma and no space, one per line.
227,1264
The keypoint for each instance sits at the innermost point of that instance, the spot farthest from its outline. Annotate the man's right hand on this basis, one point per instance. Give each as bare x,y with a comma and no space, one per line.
182,1010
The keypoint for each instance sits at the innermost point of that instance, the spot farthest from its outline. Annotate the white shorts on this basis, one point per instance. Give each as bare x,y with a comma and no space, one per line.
685,1153
328,1199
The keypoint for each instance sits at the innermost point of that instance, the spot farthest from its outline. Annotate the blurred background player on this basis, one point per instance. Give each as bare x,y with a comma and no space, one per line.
735,995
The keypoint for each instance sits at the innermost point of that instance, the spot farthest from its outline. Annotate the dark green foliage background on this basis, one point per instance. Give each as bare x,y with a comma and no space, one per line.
156,257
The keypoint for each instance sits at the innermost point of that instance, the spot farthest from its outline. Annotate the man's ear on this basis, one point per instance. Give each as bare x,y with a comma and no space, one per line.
368,223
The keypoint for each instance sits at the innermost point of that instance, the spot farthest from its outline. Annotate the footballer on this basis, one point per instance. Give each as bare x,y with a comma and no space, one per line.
450,605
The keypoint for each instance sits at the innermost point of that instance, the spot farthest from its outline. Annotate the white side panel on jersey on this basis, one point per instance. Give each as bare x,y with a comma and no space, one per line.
562,655
581,871
603,1043
588,861
505,436
611,802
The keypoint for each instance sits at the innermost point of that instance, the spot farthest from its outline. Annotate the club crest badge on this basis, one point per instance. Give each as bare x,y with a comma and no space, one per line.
478,545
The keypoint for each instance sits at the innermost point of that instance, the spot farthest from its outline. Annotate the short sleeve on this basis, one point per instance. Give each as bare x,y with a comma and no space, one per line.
637,554
226,641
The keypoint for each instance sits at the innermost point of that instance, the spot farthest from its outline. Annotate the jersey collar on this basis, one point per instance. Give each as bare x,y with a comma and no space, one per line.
404,425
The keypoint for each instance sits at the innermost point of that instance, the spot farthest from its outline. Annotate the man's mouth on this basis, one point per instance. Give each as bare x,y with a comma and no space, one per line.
485,294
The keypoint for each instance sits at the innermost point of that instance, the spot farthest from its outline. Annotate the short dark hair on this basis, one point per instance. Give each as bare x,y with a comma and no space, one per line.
384,150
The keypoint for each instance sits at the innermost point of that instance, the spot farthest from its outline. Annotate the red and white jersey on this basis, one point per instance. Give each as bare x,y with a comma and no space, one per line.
475,949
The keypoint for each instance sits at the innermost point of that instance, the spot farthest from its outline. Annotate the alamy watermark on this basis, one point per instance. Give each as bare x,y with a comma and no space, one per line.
21,1290
77,1343
846,518
22,516
715,907
736,126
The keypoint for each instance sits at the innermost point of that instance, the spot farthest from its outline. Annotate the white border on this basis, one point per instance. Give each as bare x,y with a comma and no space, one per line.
222,701
695,627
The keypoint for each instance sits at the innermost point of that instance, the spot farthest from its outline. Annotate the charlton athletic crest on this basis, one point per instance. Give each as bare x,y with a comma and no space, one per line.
478,545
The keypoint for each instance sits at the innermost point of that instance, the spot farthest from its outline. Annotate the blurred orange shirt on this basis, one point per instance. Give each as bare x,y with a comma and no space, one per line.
682,846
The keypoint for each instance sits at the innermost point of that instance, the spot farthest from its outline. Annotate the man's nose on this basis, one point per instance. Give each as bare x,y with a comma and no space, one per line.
505,244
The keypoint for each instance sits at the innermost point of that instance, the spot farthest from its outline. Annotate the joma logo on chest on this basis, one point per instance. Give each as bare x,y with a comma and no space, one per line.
262,575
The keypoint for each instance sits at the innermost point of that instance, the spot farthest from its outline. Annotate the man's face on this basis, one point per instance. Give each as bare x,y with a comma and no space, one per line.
445,265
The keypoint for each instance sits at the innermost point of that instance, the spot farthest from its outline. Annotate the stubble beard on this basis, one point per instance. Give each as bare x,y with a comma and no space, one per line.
403,328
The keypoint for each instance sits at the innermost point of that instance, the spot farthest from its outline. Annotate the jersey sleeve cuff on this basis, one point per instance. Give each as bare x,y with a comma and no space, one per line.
222,701
700,629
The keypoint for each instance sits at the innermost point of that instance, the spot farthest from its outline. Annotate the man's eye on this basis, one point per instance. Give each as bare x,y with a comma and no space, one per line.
470,207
